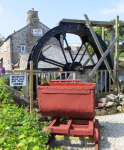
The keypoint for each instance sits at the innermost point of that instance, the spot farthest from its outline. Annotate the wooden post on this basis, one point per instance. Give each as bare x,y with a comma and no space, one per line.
103,33
112,50
31,86
116,67
25,88
36,84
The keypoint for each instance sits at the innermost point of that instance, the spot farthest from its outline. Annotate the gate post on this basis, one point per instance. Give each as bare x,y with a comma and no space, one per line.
31,86
116,65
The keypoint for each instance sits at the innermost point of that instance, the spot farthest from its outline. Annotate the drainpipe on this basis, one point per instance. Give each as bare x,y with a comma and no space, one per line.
11,50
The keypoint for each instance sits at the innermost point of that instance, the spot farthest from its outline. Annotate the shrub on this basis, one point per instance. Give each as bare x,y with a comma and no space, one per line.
18,129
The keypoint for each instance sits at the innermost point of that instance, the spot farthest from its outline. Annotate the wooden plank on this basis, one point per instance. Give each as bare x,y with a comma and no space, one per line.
102,58
31,86
89,55
48,77
98,44
86,62
109,81
116,67
103,33
105,81
93,23
112,50
101,80
114,79
105,24
97,82
22,71
25,88
36,84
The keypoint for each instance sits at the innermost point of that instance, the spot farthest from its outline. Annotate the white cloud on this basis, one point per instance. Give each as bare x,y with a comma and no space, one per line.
118,9
106,14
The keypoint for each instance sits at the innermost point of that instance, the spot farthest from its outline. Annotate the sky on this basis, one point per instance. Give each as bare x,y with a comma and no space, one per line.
13,13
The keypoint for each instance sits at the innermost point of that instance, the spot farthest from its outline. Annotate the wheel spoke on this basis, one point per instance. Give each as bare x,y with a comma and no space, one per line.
68,48
63,51
52,63
84,51
78,52
43,58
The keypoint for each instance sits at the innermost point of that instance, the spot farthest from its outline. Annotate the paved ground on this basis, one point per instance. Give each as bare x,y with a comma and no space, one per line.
111,136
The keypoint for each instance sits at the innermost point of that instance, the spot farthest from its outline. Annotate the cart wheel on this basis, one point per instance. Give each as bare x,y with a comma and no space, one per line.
96,134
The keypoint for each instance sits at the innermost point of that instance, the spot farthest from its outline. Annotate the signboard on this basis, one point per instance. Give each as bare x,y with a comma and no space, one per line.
37,32
17,80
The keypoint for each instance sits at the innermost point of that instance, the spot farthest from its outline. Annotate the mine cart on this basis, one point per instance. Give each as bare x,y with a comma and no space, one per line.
75,101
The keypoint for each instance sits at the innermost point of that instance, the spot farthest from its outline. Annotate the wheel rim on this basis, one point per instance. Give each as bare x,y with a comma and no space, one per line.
80,30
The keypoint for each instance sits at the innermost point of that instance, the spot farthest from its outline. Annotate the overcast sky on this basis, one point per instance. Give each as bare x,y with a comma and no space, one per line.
13,13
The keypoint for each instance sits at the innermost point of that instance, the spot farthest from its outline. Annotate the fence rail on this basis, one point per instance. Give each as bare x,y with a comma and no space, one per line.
102,78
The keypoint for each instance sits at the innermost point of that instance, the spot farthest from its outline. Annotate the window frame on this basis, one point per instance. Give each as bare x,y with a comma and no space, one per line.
21,48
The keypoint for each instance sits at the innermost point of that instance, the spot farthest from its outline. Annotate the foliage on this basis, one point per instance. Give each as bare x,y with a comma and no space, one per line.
5,94
98,30
18,129
121,64
1,40
21,91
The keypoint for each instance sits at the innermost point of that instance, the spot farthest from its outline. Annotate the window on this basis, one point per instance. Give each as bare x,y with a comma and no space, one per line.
22,48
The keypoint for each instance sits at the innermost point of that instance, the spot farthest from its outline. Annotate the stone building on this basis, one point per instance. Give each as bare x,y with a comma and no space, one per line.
19,44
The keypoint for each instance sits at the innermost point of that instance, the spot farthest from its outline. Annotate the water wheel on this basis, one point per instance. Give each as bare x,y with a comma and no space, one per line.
72,62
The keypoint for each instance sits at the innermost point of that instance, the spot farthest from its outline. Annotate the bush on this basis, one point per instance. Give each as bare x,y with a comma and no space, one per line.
18,129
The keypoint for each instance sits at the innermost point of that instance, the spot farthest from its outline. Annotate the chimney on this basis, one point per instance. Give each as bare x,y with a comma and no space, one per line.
32,16
14,31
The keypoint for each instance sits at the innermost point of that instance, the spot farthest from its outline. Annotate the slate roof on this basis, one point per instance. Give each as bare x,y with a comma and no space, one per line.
54,53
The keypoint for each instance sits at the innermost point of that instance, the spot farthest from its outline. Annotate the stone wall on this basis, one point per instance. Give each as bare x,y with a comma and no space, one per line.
110,105
5,53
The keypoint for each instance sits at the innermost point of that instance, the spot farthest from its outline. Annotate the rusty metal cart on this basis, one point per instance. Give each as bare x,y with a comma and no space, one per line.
75,101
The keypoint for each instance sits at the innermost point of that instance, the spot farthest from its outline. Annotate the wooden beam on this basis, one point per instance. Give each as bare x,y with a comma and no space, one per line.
90,57
22,71
116,67
98,44
31,86
86,62
105,24
103,33
112,50
103,57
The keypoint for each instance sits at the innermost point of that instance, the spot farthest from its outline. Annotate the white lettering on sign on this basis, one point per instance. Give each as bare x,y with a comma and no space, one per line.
17,80
37,32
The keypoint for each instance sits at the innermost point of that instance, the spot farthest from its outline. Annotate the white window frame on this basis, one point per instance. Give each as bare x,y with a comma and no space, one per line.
21,48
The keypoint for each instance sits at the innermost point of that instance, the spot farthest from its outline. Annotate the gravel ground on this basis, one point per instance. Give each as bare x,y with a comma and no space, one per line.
111,136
